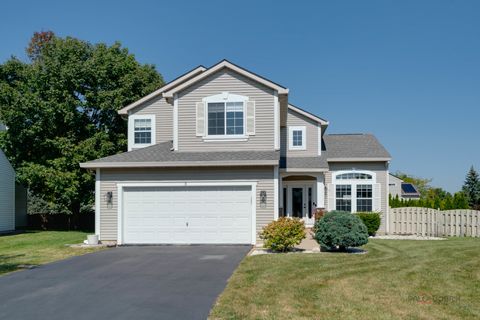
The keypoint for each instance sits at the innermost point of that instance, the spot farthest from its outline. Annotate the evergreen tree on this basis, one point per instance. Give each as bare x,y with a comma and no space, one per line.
471,188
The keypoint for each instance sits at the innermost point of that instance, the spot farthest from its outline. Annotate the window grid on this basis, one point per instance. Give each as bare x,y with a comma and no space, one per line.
364,197
343,197
142,131
354,176
297,138
225,118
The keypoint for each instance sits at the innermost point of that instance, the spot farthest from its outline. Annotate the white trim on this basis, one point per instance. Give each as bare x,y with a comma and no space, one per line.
121,186
175,122
131,131
306,170
226,97
219,66
358,159
387,207
125,110
97,202
340,172
319,137
308,115
320,191
276,191
290,137
276,120
168,164
226,138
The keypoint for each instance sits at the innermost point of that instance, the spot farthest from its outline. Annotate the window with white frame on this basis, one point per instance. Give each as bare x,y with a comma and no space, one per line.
343,197
297,138
354,191
225,118
364,197
141,131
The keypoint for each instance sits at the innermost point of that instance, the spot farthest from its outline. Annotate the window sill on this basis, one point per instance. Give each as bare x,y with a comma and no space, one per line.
141,145
225,138
297,148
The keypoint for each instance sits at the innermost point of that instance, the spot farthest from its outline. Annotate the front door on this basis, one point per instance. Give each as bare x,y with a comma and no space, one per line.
301,201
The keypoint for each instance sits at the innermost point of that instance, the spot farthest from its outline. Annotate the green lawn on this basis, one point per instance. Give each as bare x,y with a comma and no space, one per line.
394,280
38,247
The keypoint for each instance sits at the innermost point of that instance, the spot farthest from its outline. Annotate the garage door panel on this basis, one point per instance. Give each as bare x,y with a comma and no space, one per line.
187,214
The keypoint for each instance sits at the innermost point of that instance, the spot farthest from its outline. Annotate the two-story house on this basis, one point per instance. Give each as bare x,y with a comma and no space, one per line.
218,153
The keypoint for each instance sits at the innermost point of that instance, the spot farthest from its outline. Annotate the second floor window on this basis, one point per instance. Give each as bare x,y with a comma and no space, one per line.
142,131
225,118
297,138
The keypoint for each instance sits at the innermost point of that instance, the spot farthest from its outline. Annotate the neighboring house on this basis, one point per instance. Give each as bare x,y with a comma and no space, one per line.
218,153
7,192
404,190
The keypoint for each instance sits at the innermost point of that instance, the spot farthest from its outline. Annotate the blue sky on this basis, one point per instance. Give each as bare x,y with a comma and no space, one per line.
406,71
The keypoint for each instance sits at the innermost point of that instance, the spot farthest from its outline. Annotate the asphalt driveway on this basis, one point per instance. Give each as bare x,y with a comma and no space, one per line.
137,282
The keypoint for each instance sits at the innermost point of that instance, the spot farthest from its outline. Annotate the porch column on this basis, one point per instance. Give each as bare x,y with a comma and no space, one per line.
321,191
276,186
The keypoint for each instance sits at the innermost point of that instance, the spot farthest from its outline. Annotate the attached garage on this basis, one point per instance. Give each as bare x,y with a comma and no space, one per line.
186,214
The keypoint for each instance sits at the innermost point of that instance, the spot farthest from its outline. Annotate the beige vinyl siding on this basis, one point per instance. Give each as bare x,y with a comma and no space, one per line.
226,81
7,194
163,112
111,177
296,119
379,168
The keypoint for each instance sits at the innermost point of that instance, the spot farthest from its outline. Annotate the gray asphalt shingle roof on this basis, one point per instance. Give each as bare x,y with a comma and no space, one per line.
337,147
319,162
355,146
162,153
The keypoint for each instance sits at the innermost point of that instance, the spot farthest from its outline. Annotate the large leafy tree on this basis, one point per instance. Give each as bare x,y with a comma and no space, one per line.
471,187
61,109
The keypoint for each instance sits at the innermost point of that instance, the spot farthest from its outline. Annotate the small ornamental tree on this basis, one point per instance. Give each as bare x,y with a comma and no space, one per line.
340,229
283,234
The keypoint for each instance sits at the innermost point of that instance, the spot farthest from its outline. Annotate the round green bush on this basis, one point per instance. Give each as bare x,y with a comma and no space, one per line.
340,229
371,220
283,234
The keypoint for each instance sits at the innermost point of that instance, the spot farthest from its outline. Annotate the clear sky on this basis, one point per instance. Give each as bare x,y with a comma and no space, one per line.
406,71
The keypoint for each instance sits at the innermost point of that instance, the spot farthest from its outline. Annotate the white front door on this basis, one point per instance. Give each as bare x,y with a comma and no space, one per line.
301,201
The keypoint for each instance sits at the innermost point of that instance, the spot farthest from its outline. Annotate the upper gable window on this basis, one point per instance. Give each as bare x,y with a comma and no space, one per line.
297,138
141,131
225,118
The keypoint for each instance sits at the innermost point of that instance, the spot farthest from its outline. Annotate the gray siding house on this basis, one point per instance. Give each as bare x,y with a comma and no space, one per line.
220,152
7,192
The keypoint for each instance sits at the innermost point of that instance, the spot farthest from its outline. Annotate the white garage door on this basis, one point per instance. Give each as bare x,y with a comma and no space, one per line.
187,215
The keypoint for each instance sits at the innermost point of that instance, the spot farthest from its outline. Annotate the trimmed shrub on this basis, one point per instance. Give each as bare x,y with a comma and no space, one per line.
371,220
340,229
283,234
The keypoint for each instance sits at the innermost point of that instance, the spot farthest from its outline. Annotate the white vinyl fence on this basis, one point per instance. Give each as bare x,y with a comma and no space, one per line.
434,223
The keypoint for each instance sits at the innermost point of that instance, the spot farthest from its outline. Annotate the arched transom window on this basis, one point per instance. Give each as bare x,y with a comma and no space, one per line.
354,191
